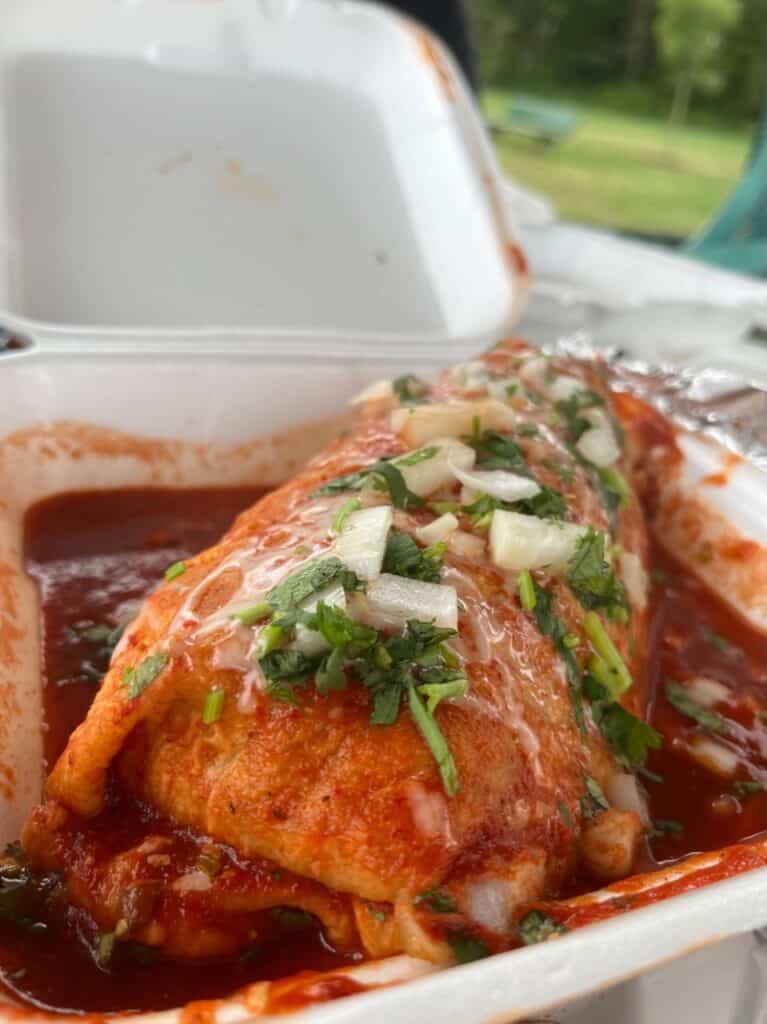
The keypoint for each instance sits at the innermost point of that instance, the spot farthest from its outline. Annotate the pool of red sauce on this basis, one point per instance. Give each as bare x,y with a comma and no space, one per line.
93,553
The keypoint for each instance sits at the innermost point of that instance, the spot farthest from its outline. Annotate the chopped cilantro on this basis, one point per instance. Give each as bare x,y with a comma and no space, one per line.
480,511
339,522
435,741
547,504
384,475
536,926
561,469
415,665
292,918
747,788
564,813
666,826
311,578
400,667
105,946
593,801
403,557
678,697
209,860
592,579
253,613
252,954
438,901
419,455
466,948
571,410
213,707
607,666
553,627
330,672
410,390
611,488
452,684
391,479
377,913
288,667
716,640
614,482
175,570
494,451
629,737
139,678
270,638
341,631
526,590
441,507
95,634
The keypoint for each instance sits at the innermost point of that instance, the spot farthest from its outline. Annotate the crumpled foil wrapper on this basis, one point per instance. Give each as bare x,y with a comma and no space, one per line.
714,402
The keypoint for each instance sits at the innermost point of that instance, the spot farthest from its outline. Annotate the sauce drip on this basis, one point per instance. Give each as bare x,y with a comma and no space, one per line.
95,554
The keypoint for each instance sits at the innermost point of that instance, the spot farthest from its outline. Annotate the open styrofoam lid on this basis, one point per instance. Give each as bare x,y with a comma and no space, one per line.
314,165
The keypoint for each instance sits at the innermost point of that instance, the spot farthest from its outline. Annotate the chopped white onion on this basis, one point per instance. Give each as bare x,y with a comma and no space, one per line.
423,423
598,444
399,599
377,390
527,542
472,375
498,483
427,476
308,641
466,545
634,576
488,902
193,881
438,530
714,756
563,387
624,791
706,692
534,370
504,389
362,542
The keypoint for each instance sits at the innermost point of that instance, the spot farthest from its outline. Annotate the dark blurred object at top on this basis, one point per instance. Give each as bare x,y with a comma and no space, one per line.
449,20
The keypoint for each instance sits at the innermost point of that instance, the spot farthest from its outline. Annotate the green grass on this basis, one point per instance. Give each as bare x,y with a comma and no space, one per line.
627,172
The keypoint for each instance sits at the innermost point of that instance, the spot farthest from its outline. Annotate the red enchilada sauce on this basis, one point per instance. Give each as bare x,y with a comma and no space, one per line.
94,555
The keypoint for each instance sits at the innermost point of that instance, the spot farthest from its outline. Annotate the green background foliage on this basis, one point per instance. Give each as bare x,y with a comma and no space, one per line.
667,93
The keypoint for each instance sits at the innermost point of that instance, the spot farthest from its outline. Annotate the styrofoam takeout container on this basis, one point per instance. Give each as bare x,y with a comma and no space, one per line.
249,164
219,221
96,415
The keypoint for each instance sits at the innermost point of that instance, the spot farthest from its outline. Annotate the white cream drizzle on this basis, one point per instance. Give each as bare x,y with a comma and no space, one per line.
260,568
491,642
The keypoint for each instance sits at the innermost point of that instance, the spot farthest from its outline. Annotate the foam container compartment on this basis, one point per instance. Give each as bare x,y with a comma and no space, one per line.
218,221
245,163
101,415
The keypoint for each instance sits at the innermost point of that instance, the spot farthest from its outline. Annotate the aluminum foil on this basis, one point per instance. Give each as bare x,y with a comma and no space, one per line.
714,402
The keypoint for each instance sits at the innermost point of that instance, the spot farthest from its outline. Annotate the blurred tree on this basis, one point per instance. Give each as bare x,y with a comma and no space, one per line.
493,29
610,45
690,35
744,60
639,38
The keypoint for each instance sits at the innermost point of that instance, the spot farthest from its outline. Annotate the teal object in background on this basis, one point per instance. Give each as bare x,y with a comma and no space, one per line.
537,119
736,236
